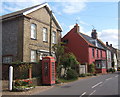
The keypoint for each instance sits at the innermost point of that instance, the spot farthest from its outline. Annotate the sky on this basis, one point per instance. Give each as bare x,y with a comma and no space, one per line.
100,15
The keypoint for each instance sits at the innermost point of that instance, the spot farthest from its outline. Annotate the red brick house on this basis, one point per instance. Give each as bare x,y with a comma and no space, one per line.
86,49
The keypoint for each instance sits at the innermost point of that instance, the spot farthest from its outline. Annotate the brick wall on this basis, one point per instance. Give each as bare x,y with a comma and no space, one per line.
12,38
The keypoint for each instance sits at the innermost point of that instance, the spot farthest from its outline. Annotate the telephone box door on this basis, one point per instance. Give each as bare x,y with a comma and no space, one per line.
48,70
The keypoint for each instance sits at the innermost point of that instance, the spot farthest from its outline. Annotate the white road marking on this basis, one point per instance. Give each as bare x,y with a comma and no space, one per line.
93,92
97,84
116,76
83,94
108,78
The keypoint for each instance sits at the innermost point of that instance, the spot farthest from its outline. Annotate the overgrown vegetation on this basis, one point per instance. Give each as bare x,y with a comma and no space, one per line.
59,51
67,61
111,70
92,68
71,74
83,75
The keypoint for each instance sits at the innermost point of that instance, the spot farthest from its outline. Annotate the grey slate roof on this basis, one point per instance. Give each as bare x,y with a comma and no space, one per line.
19,12
92,41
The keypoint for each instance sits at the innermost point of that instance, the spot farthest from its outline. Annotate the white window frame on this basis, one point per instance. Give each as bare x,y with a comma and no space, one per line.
43,55
33,56
33,31
54,37
7,59
45,34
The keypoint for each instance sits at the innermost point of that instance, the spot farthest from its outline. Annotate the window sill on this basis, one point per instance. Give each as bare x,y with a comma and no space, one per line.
54,43
45,41
33,39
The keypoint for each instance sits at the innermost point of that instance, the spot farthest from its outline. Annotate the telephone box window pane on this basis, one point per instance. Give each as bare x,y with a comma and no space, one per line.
46,68
53,71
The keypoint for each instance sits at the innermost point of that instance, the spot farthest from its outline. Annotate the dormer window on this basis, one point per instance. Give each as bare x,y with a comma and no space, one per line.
65,41
94,42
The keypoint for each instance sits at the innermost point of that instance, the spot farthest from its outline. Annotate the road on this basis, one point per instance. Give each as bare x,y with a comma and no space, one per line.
102,85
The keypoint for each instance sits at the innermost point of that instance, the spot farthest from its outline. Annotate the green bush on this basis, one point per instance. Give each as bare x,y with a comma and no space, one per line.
57,81
71,74
111,70
89,74
95,74
83,75
92,68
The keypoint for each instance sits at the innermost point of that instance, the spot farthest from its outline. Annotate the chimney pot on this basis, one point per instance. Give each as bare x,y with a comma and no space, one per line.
110,45
107,43
77,28
94,34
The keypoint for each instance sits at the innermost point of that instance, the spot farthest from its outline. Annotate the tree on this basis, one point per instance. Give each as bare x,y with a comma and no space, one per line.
69,61
59,51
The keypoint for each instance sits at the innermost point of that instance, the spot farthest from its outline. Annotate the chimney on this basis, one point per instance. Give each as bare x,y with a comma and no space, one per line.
106,43
77,28
94,34
110,45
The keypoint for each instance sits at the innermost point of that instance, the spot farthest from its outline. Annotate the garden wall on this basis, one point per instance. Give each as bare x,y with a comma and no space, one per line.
21,74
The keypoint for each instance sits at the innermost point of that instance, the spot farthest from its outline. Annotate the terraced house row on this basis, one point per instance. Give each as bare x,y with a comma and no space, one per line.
26,38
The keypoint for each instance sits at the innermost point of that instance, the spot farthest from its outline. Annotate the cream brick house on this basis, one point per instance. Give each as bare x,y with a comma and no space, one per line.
26,33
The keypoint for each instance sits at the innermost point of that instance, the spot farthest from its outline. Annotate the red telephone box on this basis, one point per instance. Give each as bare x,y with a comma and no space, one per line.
48,70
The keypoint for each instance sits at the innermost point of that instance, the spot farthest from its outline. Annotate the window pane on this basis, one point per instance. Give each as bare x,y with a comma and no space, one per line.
93,53
45,34
33,56
7,59
33,31
54,37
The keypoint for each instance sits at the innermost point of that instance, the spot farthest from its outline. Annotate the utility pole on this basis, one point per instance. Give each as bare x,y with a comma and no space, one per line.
50,54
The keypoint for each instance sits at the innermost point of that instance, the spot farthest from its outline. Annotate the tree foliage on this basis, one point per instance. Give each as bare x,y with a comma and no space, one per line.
69,60
92,68
59,51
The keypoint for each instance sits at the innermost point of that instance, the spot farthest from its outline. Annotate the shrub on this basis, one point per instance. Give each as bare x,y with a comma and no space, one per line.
23,83
57,81
92,68
89,74
111,70
95,74
71,74
83,75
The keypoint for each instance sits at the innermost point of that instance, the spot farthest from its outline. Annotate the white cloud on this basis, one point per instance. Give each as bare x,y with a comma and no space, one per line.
107,35
67,7
8,7
110,35
73,7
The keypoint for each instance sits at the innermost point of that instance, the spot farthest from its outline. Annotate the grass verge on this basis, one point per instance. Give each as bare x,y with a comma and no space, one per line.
65,81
